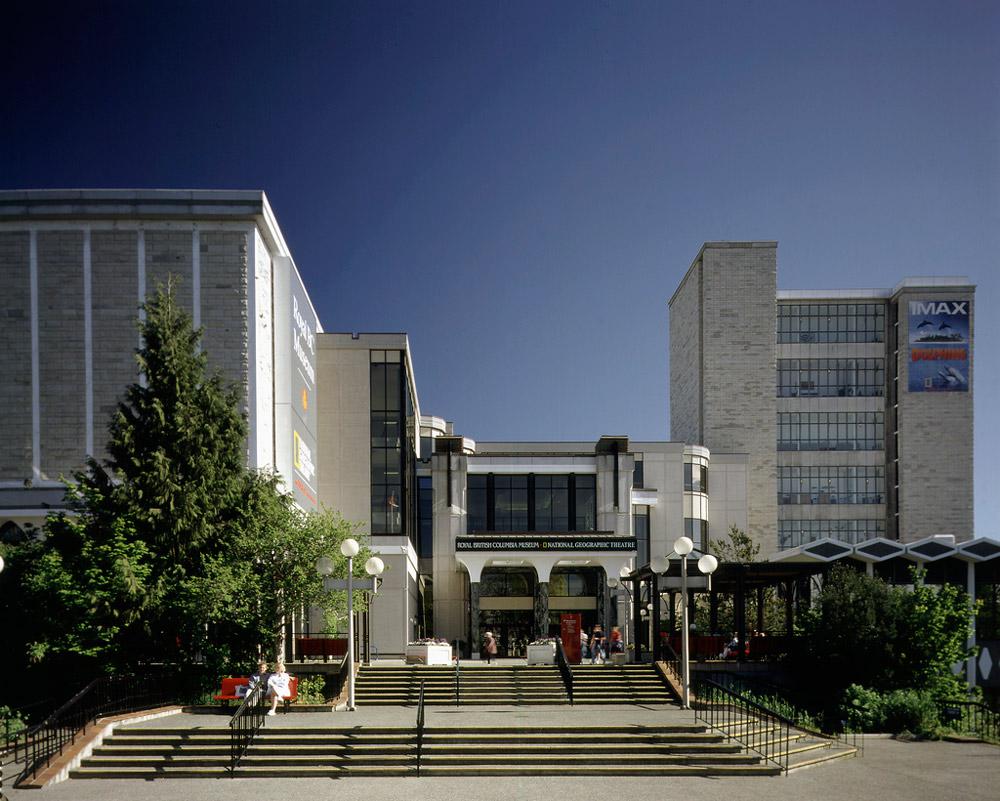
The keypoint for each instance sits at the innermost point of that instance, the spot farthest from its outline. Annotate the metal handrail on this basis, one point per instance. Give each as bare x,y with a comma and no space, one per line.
420,726
458,681
108,695
971,716
245,723
754,726
342,677
564,669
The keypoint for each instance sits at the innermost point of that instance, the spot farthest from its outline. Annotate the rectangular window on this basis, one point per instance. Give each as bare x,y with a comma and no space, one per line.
793,533
830,431
638,475
830,322
831,484
510,503
425,517
551,503
640,527
393,507
477,503
695,478
586,503
697,530
831,378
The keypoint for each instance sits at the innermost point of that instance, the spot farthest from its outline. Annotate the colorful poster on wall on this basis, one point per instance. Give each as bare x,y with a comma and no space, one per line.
303,361
939,346
569,629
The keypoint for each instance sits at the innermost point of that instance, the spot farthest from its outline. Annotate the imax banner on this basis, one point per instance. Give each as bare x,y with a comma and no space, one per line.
939,346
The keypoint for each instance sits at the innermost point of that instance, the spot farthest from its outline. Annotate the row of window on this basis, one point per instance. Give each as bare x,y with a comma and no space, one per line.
792,533
532,502
831,431
831,484
387,423
831,322
830,378
520,582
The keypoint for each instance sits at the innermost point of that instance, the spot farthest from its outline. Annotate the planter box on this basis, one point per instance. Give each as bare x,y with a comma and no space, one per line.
619,658
541,654
428,654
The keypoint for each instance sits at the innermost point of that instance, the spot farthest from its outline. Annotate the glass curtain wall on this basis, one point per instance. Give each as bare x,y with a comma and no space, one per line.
500,502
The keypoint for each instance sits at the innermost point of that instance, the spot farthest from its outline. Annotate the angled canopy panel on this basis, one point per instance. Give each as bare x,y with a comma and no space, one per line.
930,549
878,550
981,549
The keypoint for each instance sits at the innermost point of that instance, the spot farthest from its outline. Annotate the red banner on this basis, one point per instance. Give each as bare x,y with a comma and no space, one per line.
569,628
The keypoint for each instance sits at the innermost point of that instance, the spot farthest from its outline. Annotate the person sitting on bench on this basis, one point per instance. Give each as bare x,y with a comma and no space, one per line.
277,687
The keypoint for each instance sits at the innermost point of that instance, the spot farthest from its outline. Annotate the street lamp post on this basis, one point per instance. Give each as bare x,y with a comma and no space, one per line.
707,564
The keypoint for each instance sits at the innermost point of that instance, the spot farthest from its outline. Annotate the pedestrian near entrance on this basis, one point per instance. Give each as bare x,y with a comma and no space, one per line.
489,646
617,646
597,646
584,650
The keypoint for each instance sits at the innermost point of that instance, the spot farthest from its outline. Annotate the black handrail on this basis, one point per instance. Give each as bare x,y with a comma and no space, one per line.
755,727
564,669
342,678
108,695
420,726
458,681
970,717
245,723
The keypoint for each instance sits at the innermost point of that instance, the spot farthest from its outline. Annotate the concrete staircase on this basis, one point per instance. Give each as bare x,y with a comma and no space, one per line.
620,684
802,749
667,750
480,684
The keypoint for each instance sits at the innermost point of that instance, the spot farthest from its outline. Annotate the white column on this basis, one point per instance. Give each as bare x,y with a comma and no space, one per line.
36,403
88,346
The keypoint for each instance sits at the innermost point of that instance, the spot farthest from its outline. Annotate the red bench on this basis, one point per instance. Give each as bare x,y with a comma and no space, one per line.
231,687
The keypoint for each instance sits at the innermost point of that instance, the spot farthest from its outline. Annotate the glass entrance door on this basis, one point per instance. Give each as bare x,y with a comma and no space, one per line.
512,629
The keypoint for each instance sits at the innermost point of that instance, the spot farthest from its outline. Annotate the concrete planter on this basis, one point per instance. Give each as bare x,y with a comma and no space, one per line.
542,654
428,654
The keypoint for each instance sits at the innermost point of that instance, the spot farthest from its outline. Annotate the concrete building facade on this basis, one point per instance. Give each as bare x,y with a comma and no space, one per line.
853,407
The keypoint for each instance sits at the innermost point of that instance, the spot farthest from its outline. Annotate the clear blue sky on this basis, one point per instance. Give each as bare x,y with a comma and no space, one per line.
520,186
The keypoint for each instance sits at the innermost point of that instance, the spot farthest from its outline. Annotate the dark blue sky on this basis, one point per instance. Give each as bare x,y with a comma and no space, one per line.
520,187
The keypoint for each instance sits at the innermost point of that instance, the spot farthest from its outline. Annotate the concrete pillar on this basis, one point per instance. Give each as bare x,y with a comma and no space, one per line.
541,609
604,599
475,633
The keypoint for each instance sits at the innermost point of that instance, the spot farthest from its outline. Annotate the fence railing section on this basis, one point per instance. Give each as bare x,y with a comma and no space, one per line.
420,726
756,728
458,681
109,695
970,717
245,723
564,669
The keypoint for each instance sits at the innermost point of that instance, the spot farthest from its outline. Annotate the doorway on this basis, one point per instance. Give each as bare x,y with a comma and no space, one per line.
512,629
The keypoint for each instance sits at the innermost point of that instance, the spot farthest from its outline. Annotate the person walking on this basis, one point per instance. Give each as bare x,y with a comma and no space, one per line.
597,646
617,644
489,647
584,649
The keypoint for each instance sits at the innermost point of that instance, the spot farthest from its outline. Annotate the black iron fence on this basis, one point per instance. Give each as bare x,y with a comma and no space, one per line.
420,726
458,681
970,717
564,668
109,695
756,728
245,723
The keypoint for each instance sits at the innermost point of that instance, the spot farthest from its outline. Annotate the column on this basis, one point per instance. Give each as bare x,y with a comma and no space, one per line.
604,598
637,636
655,646
474,623
970,663
541,609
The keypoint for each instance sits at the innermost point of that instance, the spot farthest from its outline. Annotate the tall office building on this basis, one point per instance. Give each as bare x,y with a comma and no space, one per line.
854,407
75,265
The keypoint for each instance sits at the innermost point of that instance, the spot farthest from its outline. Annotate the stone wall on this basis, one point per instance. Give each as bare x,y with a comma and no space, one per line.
15,356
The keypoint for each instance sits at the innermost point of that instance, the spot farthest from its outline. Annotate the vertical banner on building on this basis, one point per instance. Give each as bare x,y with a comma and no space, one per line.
303,376
939,346
569,629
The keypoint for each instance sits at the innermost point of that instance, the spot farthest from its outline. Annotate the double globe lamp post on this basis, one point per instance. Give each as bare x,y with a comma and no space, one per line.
374,568
707,564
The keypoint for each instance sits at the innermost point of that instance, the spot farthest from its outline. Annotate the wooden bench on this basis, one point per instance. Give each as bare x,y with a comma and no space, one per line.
231,690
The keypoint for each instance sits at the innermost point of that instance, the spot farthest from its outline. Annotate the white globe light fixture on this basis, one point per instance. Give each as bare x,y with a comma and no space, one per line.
374,566
708,564
1,564
350,548
324,566
683,546
613,583
624,572
659,564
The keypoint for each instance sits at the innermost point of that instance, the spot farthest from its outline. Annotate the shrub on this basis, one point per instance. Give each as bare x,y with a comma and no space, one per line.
862,709
899,711
312,690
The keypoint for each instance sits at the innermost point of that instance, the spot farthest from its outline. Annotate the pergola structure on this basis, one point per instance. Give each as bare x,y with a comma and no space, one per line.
970,565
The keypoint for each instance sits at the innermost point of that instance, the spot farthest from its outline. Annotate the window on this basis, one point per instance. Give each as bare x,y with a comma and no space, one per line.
831,322
477,501
640,527
393,505
793,533
697,530
576,583
510,503
695,478
531,502
551,503
831,484
507,583
586,503
425,517
638,475
831,431
831,378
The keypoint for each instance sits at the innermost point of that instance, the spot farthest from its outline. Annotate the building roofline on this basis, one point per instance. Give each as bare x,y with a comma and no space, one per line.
718,245
910,282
